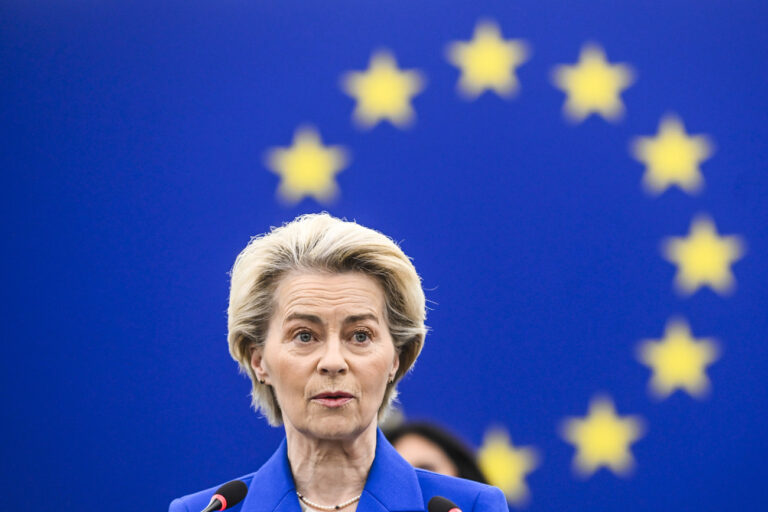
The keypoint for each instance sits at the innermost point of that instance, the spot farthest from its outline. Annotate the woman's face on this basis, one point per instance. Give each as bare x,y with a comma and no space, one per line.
328,353
422,453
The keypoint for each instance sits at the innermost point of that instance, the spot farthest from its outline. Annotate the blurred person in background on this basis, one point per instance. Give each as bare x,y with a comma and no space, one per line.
428,446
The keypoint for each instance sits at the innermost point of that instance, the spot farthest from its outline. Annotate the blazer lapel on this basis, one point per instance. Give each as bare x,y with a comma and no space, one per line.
392,484
272,488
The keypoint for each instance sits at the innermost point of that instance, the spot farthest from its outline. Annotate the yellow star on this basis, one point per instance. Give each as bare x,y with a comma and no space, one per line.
506,466
593,85
307,168
488,62
383,91
672,157
678,361
602,439
703,258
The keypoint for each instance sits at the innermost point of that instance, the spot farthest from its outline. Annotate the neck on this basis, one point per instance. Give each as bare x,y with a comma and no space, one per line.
330,471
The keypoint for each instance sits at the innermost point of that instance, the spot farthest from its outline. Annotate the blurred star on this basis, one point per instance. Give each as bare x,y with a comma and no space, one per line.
703,258
593,85
488,62
672,157
678,361
602,439
307,168
383,92
506,466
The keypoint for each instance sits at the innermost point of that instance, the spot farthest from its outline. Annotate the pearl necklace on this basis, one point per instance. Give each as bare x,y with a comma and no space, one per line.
328,507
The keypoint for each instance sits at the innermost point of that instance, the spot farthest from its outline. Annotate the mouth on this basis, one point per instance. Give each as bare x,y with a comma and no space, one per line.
333,399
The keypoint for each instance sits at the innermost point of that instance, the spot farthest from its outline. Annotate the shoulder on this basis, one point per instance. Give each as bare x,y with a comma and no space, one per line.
199,500
468,495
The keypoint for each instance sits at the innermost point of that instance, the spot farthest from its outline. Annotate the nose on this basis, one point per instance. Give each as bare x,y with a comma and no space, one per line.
332,361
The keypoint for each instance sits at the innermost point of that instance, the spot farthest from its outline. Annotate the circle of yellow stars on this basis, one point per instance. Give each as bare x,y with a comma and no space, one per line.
672,157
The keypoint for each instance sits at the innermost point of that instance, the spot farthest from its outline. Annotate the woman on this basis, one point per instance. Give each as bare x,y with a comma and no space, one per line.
428,446
325,317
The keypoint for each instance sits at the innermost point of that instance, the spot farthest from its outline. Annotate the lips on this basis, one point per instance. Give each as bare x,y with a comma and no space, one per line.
333,394
333,399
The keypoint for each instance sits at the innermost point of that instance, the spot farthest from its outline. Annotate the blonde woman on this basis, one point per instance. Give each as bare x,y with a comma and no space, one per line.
325,317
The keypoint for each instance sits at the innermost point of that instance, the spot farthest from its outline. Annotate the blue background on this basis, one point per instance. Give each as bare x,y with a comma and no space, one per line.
133,137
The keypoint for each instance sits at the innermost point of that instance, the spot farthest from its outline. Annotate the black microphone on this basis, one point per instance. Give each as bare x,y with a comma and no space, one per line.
227,496
440,504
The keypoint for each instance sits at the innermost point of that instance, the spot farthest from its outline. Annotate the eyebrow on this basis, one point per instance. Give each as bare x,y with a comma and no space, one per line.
359,318
314,319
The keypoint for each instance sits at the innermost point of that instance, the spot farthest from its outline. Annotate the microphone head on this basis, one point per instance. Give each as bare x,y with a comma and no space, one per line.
440,504
233,493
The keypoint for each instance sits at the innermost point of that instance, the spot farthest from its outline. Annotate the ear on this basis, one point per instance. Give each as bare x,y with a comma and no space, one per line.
395,366
257,364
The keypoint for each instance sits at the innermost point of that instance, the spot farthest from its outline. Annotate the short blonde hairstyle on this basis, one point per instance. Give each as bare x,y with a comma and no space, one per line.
320,242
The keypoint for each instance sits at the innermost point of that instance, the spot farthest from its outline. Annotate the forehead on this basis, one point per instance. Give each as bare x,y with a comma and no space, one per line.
320,292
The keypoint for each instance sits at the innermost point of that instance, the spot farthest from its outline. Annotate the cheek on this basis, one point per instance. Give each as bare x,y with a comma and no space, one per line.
287,373
283,374
376,374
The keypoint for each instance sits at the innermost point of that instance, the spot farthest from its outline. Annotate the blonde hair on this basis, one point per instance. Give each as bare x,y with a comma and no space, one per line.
320,242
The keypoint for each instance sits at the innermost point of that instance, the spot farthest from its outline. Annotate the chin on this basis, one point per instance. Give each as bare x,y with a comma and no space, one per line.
336,428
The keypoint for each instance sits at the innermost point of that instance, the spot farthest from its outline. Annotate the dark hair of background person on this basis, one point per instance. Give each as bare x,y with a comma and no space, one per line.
454,448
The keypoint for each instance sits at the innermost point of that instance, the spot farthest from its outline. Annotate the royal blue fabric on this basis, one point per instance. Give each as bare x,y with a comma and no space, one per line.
392,485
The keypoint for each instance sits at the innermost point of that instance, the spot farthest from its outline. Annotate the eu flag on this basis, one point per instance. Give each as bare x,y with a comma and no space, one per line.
581,185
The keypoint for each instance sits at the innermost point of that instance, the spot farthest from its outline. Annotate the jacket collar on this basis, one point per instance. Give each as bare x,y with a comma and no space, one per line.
391,486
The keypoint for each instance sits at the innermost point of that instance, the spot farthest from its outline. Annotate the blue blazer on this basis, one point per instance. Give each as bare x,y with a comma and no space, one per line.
392,485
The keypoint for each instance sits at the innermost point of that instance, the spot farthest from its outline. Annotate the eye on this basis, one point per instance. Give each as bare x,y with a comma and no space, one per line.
304,336
361,336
